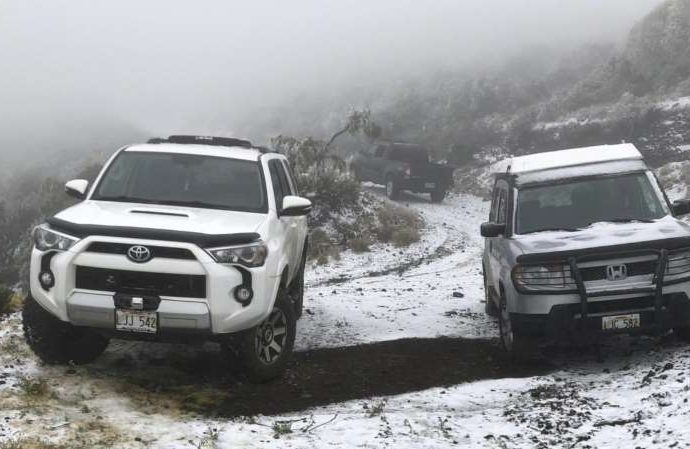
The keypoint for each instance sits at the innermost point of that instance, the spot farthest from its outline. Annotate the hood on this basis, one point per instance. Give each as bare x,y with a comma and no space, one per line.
165,218
667,232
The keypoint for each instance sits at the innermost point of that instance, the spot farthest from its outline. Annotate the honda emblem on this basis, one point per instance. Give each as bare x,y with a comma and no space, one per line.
616,272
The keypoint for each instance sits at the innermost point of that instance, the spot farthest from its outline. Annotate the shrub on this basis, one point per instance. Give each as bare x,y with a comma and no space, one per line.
360,245
405,237
6,300
398,225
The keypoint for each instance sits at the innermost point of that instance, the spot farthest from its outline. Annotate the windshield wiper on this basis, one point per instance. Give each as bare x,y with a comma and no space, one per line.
125,199
193,203
623,220
551,230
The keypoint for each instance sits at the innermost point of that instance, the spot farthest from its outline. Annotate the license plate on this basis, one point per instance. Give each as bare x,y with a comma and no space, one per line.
430,185
620,322
136,321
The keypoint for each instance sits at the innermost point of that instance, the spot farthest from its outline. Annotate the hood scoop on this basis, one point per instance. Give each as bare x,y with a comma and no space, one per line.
158,212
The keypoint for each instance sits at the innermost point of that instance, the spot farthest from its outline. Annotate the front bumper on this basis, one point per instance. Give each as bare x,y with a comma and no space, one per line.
209,309
661,302
565,320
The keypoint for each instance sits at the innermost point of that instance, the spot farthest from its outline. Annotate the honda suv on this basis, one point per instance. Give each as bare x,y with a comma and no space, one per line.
183,238
584,241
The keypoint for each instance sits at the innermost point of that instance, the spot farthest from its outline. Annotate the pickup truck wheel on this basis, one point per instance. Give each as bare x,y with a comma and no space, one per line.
392,190
489,304
297,290
437,196
682,333
519,347
265,349
57,342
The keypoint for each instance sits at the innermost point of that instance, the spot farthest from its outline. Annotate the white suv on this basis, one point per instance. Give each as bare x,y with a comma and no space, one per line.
185,238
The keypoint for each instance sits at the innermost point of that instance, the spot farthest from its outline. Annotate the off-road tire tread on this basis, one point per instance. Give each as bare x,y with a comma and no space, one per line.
254,370
57,342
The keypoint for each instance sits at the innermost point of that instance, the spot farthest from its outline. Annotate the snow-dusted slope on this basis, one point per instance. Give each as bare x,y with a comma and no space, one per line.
633,393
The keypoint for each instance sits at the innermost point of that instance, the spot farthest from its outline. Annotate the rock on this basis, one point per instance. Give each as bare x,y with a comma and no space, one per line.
458,295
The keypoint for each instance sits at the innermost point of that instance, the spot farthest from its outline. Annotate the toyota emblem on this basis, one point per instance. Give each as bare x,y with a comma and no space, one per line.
139,254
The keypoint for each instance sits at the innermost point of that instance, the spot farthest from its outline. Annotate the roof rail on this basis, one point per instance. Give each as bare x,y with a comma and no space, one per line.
203,140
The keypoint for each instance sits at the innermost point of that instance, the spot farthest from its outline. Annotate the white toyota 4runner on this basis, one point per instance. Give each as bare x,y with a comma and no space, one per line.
182,238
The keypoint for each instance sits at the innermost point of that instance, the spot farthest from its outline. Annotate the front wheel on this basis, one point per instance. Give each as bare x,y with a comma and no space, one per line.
682,333
265,349
57,342
519,347
489,304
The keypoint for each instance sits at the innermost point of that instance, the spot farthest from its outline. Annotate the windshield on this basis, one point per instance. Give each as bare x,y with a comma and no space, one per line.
578,204
184,180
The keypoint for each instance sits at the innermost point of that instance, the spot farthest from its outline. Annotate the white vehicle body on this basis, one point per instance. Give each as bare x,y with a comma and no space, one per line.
197,293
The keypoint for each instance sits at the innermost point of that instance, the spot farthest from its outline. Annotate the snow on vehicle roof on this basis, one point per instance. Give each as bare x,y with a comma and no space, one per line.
575,157
247,154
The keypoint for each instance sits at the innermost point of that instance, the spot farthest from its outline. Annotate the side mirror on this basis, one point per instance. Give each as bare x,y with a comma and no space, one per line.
76,188
295,206
680,207
490,230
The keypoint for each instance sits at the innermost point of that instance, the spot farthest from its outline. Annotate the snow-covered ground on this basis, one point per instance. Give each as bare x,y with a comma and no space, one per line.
634,393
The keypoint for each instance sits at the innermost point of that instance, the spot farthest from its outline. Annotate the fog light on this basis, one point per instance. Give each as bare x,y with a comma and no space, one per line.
243,294
46,279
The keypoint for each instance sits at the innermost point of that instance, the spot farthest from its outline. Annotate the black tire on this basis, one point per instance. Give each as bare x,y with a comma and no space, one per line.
437,196
521,348
682,333
490,306
392,189
259,358
57,342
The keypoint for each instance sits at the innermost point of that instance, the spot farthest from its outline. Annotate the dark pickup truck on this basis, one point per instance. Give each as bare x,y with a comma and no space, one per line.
403,166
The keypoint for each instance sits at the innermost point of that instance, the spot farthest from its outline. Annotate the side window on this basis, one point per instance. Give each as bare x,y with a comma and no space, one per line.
379,151
290,178
275,169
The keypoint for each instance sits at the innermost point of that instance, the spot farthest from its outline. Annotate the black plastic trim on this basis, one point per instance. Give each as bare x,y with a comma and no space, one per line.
202,240
602,252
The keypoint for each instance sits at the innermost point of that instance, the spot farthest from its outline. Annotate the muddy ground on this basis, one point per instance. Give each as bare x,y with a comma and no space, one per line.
205,381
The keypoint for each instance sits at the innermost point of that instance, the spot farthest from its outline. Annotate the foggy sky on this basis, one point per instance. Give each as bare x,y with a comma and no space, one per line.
166,65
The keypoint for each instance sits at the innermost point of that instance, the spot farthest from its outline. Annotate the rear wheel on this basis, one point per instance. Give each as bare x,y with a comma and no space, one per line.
265,349
392,189
520,347
57,342
683,333
438,196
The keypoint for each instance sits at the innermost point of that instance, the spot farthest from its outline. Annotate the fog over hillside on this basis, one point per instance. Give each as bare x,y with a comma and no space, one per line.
80,73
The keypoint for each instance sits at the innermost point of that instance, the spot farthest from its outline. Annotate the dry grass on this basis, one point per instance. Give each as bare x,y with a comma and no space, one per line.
398,225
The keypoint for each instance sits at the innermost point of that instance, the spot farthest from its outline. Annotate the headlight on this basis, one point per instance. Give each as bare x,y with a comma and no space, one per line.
253,255
543,277
45,239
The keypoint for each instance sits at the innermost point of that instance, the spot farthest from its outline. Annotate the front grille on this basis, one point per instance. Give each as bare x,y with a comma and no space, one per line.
634,269
138,282
156,251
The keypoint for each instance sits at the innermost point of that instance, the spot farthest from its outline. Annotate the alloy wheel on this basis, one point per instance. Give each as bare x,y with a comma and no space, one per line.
271,337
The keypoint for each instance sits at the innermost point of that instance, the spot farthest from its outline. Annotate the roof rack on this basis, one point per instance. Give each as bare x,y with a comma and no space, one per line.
203,140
